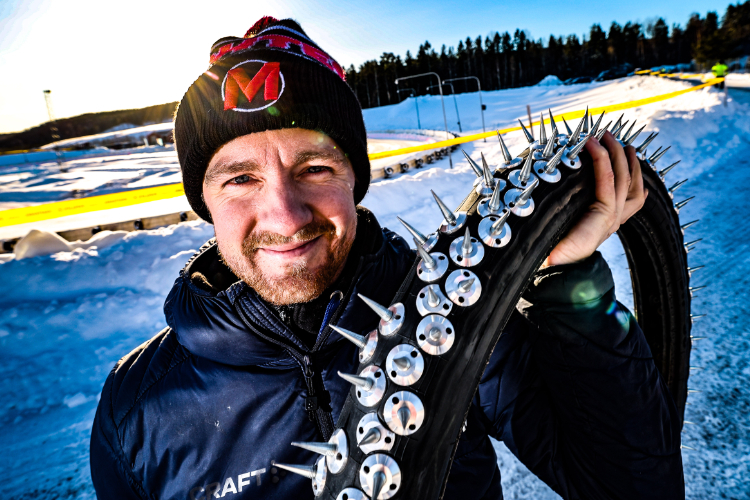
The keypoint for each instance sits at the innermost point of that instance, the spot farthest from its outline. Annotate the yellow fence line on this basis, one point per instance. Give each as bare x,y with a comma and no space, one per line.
54,210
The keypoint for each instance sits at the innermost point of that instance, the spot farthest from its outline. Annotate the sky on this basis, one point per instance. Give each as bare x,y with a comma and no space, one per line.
97,55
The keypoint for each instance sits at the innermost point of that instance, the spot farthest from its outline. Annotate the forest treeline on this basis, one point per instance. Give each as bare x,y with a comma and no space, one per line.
505,61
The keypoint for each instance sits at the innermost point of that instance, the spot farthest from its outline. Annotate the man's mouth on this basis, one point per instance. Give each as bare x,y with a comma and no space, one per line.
290,250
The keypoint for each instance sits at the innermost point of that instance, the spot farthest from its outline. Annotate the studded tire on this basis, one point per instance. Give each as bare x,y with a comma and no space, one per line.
653,243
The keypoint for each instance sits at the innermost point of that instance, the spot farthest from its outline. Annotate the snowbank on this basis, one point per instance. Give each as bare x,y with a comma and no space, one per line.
549,81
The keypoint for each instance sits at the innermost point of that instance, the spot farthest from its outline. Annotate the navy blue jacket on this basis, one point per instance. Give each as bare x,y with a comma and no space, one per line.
202,409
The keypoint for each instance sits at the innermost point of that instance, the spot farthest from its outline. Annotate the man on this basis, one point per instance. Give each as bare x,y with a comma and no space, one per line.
720,71
272,147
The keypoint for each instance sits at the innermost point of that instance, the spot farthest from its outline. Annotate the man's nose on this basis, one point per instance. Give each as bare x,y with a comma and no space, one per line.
284,210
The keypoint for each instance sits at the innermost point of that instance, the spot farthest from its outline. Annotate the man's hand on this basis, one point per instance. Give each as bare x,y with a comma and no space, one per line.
619,194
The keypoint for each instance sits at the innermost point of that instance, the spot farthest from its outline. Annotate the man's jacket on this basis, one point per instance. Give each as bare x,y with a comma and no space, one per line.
202,410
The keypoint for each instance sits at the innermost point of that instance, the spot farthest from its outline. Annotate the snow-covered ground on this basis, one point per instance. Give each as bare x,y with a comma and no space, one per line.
65,319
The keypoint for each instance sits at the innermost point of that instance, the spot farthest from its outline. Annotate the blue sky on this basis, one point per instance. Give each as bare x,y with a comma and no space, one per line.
100,55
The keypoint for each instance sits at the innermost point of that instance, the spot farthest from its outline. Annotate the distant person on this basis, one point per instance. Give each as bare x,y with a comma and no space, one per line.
273,150
720,71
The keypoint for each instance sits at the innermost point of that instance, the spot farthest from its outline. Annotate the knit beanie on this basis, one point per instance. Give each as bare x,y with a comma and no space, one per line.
274,77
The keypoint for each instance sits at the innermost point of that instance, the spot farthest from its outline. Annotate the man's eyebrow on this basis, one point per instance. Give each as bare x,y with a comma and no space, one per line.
229,168
306,156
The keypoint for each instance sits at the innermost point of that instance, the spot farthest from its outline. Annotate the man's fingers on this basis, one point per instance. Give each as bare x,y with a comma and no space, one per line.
604,178
621,171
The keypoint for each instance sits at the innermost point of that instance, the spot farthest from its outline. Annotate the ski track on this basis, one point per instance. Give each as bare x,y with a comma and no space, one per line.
65,319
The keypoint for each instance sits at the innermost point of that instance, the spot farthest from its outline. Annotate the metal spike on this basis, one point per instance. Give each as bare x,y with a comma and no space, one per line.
436,333
682,445
595,127
307,471
526,193
403,416
554,161
465,285
552,124
497,227
473,164
655,157
631,138
665,171
691,270
354,338
494,203
447,213
690,245
466,246
429,262
549,148
644,145
585,128
576,134
694,317
627,134
504,149
688,224
695,339
567,127
372,437
488,180
327,449
378,481
402,363
421,238
526,169
529,137
432,299
697,368
363,382
619,130
657,151
542,130
696,288
683,203
677,185
617,123
384,313
688,421
691,391
577,149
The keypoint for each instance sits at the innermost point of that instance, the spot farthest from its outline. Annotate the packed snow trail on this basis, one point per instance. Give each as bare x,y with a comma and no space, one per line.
65,319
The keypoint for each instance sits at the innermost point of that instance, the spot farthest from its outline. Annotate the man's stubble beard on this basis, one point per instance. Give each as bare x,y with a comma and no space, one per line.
299,284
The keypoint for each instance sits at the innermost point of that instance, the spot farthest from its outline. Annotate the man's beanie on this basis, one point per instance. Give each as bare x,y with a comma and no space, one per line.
274,77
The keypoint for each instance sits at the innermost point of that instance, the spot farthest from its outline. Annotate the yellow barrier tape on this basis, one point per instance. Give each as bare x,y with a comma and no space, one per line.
47,211
643,72
57,209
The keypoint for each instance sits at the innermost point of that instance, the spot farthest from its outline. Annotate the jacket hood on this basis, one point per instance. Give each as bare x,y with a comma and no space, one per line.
228,324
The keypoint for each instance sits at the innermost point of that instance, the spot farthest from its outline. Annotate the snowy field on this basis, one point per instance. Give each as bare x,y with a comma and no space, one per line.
66,318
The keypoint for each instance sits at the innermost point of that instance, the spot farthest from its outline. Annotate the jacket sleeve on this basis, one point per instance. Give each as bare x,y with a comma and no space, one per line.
110,472
574,393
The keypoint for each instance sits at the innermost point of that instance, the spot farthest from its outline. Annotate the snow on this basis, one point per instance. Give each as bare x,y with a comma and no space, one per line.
549,81
67,317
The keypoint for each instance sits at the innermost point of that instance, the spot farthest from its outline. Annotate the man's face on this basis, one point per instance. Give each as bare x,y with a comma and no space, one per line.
283,211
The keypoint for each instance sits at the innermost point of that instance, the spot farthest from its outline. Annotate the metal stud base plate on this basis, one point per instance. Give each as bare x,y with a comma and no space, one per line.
443,306
447,228
372,343
520,210
321,475
472,259
573,164
351,494
551,177
435,334
497,240
463,298
482,189
386,465
484,208
429,275
515,178
387,437
375,394
432,240
410,401
503,167
337,462
388,328
409,355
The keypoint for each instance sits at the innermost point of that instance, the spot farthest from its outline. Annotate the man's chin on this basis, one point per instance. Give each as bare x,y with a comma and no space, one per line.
286,290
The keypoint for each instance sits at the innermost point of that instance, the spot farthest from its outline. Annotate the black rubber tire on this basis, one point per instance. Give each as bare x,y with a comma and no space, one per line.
653,243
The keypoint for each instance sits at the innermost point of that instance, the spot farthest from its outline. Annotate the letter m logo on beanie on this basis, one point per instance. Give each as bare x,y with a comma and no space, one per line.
246,79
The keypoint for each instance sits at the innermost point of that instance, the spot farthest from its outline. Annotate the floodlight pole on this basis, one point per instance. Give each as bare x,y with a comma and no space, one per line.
481,104
414,95
453,92
442,103
53,126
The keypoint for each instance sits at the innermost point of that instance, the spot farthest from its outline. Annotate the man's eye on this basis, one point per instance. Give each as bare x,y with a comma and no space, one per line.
240,179
317,170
